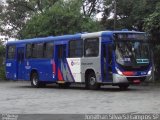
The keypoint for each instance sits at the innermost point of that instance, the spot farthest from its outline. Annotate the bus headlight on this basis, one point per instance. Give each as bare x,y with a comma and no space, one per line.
149,72
118,71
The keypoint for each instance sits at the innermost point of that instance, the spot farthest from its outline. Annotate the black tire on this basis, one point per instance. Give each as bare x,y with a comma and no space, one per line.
91,82
64,85
35,81
123,86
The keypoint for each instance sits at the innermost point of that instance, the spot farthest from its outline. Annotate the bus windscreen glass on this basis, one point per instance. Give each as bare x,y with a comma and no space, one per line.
132,52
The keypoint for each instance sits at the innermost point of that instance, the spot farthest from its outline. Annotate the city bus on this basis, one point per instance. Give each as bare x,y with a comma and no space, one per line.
117,58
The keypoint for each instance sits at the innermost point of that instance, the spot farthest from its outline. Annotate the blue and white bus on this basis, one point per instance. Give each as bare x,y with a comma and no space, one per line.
107,57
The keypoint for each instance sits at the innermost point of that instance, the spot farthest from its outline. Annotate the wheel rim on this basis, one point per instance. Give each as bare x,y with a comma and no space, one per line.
92,80
35,80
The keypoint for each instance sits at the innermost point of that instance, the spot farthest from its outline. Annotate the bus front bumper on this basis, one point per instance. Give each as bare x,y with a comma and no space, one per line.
119,79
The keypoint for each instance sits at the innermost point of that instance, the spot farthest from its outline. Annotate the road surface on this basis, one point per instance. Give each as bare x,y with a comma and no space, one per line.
20,98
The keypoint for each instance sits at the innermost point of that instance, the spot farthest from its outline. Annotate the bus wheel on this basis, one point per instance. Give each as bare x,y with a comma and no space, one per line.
35,81
123,86
92,82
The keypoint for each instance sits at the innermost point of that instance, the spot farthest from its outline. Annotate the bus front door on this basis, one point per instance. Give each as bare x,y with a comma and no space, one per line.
20,63
106,59
60,61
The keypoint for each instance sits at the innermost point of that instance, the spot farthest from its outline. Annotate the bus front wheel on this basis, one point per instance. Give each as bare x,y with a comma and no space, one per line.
35,81
91,82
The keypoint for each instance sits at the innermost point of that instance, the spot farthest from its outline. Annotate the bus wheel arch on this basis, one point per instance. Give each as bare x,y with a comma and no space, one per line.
90,80
32,72
34,78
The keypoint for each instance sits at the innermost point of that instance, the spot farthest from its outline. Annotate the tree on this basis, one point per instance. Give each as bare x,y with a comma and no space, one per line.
152,24
15,13
130,13
92,7
14,16
62,18
2,67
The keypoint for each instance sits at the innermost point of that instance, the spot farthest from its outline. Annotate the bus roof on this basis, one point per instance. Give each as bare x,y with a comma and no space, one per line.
68,37
47,39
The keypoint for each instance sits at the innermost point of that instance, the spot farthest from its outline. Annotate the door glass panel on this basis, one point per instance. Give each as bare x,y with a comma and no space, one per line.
20,56
104,59
60,52
107,62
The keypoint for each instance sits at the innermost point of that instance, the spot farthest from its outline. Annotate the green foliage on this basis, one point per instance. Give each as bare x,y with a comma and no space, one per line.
2,54
131,14
123,12
2,50
152,24
2,73
2,68
61,18
14,15
17,12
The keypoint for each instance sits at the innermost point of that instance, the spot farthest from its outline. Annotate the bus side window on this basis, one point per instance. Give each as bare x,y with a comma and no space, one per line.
39,50
76,48
11,52
91,47
34,52
48,50
28,50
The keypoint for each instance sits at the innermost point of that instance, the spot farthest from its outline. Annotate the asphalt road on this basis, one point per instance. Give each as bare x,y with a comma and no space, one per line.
20,98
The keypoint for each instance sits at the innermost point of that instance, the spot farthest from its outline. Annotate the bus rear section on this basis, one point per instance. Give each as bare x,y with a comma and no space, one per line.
11,65
40,60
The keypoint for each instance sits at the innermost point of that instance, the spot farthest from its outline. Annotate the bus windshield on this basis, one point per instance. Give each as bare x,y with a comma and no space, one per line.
132,53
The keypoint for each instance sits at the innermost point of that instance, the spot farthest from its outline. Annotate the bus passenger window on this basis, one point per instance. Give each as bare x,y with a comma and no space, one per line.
39,50
29,51
11,52
34,52
48,50
76,48
91,47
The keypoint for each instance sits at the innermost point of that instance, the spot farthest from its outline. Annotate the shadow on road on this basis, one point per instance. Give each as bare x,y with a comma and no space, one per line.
80,87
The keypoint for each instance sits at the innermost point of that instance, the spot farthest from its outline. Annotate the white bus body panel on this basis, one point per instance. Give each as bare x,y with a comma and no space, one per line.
75,67
91,64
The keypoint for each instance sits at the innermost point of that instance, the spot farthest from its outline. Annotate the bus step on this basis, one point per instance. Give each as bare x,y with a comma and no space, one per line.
61,81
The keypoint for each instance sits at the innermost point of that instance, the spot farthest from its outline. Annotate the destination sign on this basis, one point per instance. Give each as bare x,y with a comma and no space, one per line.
130,36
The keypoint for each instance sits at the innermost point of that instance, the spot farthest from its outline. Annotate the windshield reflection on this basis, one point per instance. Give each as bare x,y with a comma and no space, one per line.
132,53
